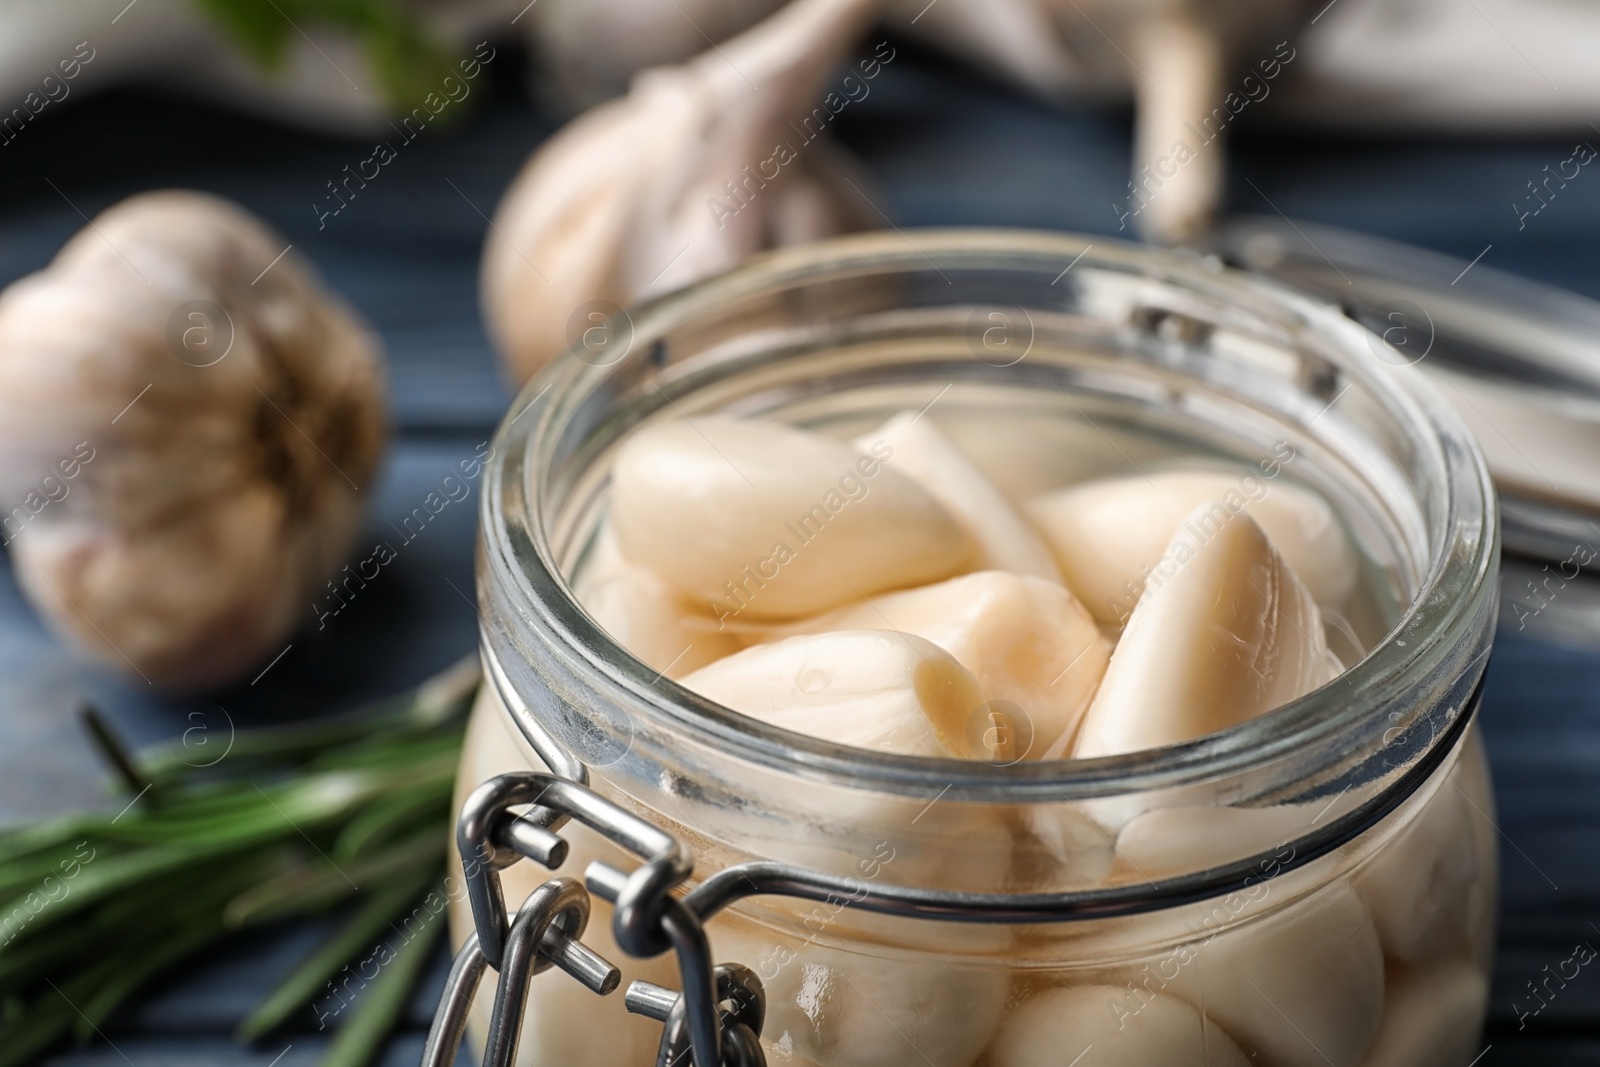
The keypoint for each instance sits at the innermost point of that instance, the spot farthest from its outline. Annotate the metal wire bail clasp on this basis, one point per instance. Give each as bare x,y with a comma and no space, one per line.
648,921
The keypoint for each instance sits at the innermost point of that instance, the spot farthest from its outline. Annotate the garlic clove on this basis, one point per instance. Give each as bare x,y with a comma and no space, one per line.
697,168
1228,634
757,520
1107,534
228,418
1429,887
1432,1017
1005,541
1172,841
884,692
1300,987
648,617
841,1008
870,689
1033,649
1059,1026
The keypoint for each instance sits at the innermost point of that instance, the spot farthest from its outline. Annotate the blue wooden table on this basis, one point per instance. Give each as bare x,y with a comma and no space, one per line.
945,149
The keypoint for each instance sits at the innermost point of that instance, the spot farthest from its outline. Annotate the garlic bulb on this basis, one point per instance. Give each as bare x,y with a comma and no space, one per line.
700,166
1033,649
1061,1024
1228,634
234,413
1004,539
1107,534
757,520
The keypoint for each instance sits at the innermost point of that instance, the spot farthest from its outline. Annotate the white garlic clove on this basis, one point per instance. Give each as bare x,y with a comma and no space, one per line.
885,692
1432,1017
1171,841
1224,632
1036,449
648,617
841,1008
871,689
1430,886
1108,534
1301,987
1005,541
757,520
698,167
1034,650
1059,1026
227,417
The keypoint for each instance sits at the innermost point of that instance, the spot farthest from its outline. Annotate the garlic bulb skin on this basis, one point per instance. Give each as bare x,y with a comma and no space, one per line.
617,206
231,451
760,521
1107,534
1005,541
1027,641
648,617
1059,1025
1228,634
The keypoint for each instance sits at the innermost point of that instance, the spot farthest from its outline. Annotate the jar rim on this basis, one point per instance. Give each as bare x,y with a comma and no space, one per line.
1444,608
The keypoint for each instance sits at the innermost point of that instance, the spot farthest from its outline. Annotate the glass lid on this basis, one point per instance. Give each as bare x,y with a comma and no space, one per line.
1519,360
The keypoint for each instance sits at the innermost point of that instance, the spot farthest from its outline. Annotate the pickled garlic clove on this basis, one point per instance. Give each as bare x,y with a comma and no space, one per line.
1005,541
1430,886
835,1008
1224,633
871,689
1300,987
1061,1024
757,520
1170,841
1107,535
1432,1017
1034,650
648,617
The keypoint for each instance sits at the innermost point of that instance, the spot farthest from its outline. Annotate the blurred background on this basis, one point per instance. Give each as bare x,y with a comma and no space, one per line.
1434,122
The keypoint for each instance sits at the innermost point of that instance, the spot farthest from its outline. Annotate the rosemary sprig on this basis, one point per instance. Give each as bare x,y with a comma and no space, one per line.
296,820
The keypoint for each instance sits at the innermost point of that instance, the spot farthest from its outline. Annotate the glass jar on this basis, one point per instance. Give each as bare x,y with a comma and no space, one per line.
1316,886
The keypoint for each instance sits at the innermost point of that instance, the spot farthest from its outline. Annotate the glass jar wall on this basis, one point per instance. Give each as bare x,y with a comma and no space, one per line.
1314,886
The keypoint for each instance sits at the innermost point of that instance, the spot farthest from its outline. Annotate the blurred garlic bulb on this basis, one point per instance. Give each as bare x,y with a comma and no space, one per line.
231,413
1191,65
700,166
